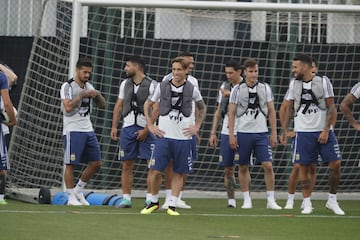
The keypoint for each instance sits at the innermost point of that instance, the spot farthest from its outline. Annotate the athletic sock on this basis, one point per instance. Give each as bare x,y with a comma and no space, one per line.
80,186
232,202
173,201
148,197
270,195
167,195
127,197
291,196
154,198
332,197
246,195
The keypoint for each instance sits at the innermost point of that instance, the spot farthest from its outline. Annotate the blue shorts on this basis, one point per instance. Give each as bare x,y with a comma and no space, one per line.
83,148
179,151
227,155
131,148
4,163
307,149
257,143
194,148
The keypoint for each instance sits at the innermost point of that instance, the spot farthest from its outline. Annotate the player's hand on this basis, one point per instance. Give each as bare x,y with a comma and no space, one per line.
113,134
357,126
142,135
283,139
225,92
92,93
323,137
190,131
213,140
273,140
233,142
156,131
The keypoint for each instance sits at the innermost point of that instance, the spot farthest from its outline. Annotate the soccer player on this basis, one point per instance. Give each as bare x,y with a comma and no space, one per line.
174,132
135,139
252,103
227,155
80,142
312,102
294,175
168,171
7,78
346,105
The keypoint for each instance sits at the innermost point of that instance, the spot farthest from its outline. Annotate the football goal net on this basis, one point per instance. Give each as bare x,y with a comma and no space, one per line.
214,32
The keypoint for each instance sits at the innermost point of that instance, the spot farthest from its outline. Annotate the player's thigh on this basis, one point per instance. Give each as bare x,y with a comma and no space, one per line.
181,152
92,149
161,154
330,151
227,155
306,147
245,147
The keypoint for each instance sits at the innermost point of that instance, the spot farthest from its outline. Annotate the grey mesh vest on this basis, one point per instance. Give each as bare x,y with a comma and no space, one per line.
140,97
317,93
84,104
184,103
225,100
260,100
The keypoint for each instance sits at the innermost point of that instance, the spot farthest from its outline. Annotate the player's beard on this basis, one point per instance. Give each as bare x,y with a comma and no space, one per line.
130,74
300,76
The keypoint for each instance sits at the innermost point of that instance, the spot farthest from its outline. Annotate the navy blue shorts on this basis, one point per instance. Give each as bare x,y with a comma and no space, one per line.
307,149
227,155
131,148
83,148
179,151
257,143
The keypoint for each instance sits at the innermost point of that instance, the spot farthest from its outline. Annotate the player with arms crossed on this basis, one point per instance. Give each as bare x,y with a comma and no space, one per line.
173,133
80,142
312,103
252,103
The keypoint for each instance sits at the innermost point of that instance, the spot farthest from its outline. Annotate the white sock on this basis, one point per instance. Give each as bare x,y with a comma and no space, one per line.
167,195
180,194
127,197
291,196
148,196
173,201
154,198
332,197
232,202
80,186
1,197
270,195
246,196
71,194
307,200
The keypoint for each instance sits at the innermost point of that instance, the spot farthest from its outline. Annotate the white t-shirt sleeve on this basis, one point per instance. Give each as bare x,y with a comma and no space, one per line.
121,90
66,91
197,95
155,97
355,90
234,95
269,94
328,87
290,92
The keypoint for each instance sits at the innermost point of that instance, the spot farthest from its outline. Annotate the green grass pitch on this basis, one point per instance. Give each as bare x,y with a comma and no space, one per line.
208,219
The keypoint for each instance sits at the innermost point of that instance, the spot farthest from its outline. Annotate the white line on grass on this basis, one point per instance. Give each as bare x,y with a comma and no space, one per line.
182,214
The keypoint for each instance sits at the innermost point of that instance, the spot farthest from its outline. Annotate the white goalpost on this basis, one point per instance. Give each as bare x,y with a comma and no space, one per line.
213,31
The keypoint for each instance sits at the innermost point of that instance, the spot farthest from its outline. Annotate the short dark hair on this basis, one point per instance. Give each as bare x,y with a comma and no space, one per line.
314,61
304,58
185,54
83,62
234,64
250,62
136,59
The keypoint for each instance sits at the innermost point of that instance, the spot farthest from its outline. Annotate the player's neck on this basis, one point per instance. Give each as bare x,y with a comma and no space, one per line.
137,79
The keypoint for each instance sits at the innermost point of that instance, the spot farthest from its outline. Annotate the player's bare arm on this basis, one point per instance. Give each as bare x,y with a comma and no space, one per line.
151,115
215,123
330,113
272,121
199,119
98,98
346,107
232,113
116,118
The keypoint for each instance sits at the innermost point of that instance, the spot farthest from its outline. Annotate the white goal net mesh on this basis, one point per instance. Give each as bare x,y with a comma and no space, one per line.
109,34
